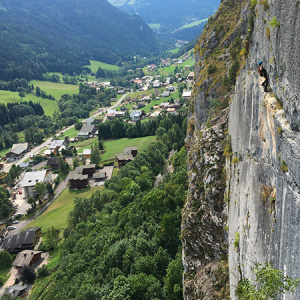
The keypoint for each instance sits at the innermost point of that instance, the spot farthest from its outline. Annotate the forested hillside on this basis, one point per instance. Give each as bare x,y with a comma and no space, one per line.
44,35
124,242
171,14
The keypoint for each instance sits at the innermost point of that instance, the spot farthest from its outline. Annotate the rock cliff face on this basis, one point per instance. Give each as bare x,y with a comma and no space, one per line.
253,216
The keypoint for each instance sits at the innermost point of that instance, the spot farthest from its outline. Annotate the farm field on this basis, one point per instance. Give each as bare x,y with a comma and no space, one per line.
154,26
56,89
117,146
49,106
195,23
57,213
71,133
94,65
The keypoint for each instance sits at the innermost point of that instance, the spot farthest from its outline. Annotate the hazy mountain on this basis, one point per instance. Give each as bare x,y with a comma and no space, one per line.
61,35
170,14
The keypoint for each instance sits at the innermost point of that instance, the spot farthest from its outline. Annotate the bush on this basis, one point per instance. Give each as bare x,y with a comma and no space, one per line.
237,240
274,22
43,272
27,275
212,69
5,259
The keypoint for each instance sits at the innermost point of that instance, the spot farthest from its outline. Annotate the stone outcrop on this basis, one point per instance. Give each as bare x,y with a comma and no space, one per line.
245,204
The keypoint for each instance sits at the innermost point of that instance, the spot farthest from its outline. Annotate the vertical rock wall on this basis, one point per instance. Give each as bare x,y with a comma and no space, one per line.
264,180
257,219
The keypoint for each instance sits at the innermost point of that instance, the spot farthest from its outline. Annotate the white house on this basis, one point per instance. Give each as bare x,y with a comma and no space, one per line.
31,178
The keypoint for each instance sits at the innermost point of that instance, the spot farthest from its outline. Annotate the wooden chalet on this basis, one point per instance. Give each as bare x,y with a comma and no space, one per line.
25,240
26,258
17,290
128,155
77,181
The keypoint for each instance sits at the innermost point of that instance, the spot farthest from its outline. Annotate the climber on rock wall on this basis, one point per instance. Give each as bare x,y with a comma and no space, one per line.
262,72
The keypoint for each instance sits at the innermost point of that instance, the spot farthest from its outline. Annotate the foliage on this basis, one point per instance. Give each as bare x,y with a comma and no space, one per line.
265,4
123,242
5,259
43,271
6,207
28,275
274,22
253,2
269,284
171,126
40,190
228,149
212,69
70,41
52,238
236,242
95,155
283,166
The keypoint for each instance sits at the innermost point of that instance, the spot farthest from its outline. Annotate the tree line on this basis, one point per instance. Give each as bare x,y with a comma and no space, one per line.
124,242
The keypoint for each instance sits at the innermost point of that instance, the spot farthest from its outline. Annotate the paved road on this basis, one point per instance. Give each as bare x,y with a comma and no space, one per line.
47,143
62,186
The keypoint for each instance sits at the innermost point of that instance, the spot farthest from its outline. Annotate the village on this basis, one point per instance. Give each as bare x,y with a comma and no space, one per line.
59,164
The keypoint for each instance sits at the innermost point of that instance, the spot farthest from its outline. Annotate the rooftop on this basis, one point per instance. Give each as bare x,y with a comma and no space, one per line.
56,144
31,178
24,258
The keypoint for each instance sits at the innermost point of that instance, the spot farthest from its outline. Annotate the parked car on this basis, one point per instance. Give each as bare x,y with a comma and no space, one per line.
16,222
11,227
18,215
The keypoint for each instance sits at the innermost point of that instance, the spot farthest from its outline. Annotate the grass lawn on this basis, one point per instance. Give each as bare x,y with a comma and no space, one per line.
154,26
4,272
71,133
4,152
174,51
195,23
117,146
86,144
41,286
94,65
49,106
56,89
57,213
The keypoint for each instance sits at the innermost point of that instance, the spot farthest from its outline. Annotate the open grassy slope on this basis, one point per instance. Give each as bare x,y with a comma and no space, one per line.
56,89
49,106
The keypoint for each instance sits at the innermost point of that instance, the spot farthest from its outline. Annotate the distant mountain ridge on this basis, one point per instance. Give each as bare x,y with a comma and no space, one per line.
170,14
62,35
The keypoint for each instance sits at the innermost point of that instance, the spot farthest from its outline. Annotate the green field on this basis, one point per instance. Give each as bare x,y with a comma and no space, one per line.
49,106
117,146
174,51
192,24
56,89
97,64
71,133
4,273
155,26
57,213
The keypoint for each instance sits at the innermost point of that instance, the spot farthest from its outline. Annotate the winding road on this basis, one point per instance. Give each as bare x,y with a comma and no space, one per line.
47,143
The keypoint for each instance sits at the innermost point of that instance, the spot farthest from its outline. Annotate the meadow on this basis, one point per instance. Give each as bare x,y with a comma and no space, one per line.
49,106
192,24
57,213
56,89
94,65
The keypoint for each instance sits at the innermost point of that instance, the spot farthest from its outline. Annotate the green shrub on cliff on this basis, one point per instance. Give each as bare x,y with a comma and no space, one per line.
269,284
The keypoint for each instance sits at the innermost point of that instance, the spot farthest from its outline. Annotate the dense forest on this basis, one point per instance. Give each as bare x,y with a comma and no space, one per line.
171,129
124,242
170,14
41,36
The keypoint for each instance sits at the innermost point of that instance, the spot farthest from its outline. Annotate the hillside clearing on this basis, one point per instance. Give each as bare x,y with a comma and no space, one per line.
49,106
56,89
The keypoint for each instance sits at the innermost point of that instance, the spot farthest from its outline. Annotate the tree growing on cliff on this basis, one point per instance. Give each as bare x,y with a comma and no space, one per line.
270,283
